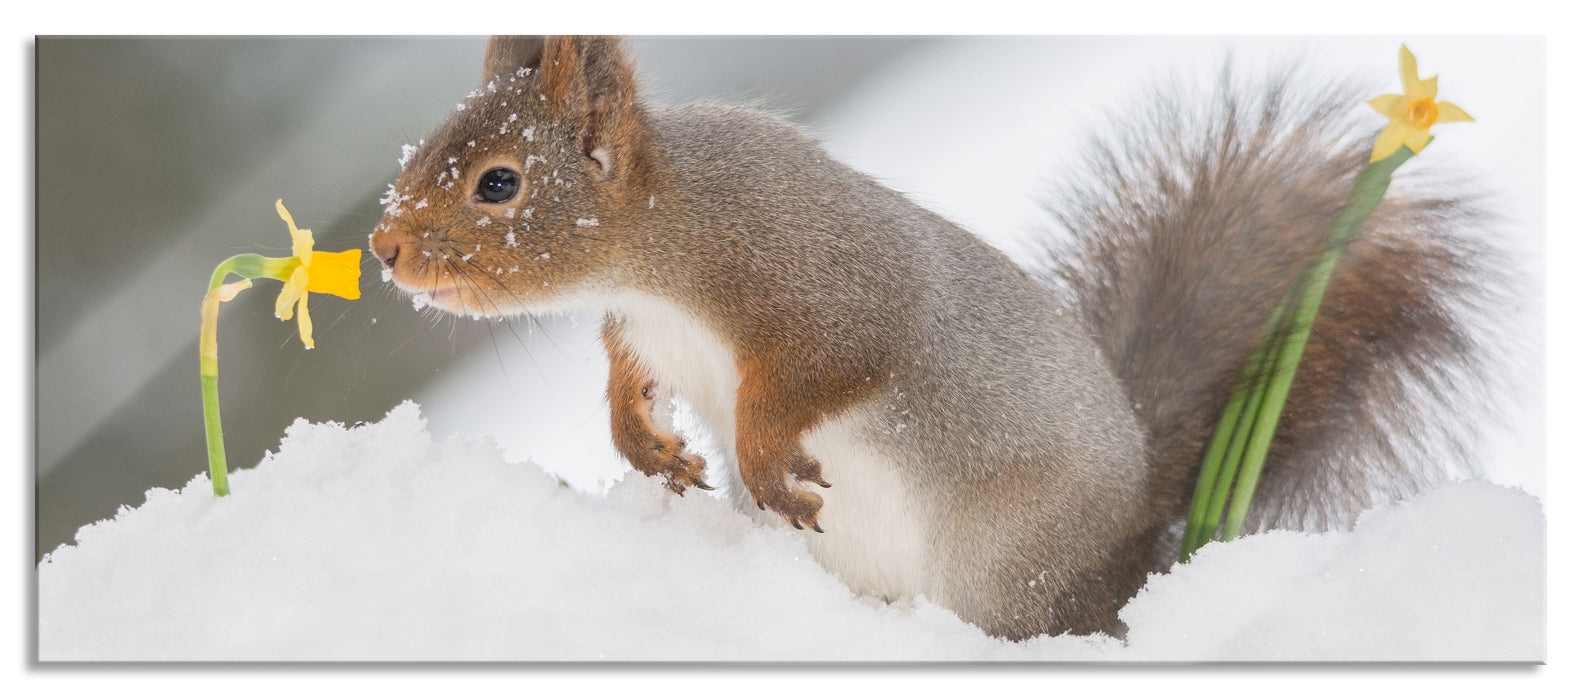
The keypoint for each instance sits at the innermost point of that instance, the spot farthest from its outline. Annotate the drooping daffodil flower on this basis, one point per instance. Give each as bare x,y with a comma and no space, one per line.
305,271
1413,113
322,273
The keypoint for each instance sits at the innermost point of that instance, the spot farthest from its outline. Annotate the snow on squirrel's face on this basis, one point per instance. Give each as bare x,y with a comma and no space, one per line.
493,214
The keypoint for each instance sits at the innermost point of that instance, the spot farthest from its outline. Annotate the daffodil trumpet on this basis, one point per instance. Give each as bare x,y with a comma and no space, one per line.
1240,442
303,272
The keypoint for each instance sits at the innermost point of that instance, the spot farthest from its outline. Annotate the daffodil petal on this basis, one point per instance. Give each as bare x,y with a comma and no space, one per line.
304,323
336,273
280,208
227,292
301,238
208,336
1416,139
1392,106
293,289
1408,70
1451,113
1390,140
1428,87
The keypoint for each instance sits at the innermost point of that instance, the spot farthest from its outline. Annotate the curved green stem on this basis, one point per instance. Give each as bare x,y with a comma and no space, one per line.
247,266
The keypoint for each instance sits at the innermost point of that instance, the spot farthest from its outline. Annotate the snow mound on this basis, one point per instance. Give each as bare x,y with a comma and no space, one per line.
1456,574
376,542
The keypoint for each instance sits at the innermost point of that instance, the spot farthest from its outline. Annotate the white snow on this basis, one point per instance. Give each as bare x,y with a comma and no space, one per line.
392,200
377,542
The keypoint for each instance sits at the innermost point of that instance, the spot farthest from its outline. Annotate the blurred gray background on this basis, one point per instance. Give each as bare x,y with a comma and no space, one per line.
159,157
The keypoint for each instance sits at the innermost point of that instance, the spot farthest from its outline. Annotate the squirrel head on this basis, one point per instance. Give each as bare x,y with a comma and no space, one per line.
524,193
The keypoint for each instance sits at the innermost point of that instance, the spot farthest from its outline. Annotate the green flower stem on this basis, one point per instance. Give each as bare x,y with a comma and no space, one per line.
211,423
1260,404
247,266
1229,439
1365,196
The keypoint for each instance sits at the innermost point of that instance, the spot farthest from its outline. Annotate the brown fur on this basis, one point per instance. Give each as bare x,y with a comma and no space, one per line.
631,394
1180,313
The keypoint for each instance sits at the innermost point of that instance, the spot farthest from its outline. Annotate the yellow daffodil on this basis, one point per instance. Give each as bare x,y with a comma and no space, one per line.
303,272
1413,113
323,273
1236,451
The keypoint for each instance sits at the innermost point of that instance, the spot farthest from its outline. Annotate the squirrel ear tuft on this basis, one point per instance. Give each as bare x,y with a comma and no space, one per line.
590,78
504,55
587,78
577,72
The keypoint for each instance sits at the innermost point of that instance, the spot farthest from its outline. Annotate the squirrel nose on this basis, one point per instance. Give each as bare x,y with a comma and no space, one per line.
385,247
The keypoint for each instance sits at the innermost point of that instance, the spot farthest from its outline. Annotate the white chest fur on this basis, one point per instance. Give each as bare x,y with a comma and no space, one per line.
874,537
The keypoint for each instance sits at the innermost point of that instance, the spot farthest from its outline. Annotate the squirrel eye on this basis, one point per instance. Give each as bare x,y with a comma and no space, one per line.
497,185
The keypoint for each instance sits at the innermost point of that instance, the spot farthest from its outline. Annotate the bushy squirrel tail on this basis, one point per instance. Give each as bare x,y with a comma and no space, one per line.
1185,233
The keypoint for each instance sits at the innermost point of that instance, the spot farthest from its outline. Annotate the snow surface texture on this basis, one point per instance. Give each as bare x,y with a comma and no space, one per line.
377,543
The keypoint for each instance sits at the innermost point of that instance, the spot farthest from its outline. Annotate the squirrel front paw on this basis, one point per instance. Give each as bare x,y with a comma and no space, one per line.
770,491
665,456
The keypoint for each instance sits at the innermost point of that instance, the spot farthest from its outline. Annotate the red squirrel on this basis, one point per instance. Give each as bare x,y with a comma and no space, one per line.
1018,446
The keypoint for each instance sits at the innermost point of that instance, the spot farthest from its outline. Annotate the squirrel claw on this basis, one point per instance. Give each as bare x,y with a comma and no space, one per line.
796,523
663,457
798,508
805,468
